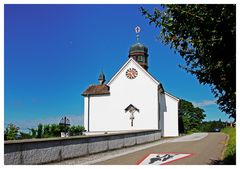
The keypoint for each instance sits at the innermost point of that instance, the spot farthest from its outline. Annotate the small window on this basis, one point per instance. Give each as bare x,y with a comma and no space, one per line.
140,58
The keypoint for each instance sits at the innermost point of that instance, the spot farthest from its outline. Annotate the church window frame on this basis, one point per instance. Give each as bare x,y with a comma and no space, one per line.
140,58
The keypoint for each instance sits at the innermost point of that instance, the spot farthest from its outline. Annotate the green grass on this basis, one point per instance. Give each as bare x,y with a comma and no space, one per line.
230,153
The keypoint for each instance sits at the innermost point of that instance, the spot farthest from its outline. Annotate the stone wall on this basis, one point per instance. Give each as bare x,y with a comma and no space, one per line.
41,151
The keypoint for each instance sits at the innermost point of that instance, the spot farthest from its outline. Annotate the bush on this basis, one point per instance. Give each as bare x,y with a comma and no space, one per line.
76,130
230,153
33,132
55,130
40,131
46,131
11,132
25,135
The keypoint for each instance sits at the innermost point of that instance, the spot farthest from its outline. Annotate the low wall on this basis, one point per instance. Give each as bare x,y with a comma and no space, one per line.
41,151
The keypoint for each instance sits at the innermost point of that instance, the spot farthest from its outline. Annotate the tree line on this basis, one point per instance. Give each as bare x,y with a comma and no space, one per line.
12,132
191,119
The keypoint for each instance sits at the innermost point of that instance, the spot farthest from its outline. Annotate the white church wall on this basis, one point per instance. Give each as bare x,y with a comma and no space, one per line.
85,118
170,116
100,113
163,108
140,92
107,112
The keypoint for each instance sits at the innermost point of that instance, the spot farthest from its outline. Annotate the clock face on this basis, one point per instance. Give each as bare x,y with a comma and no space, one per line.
131,73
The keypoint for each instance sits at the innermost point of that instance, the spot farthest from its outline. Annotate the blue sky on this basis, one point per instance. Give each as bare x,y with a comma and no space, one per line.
54,52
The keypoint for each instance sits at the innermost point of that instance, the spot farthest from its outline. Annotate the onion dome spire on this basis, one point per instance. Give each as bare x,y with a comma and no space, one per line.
138,51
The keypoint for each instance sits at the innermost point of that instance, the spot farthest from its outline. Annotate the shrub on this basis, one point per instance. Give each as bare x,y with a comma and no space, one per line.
11,132
230,153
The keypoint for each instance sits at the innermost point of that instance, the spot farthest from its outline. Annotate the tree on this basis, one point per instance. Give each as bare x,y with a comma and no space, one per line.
25,135
55,130
11,132
190,117
210,126
46,131
33,132
205,37
40,131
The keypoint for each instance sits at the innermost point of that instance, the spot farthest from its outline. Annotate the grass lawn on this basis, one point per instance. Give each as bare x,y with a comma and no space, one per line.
230,153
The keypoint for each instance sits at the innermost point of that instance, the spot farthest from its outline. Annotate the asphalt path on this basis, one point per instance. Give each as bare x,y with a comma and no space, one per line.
204,149
201,148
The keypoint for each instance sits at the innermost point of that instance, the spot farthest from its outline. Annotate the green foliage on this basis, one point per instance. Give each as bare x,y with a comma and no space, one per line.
190,117
64,128
46,131
11,132
76,130
25,135
230,153
210,126
33,132
55,130
40,131
205,37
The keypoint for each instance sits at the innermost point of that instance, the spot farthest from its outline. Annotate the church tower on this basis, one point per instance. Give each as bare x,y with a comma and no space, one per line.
139,52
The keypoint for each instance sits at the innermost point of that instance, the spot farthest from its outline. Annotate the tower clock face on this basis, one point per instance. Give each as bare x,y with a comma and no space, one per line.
131,73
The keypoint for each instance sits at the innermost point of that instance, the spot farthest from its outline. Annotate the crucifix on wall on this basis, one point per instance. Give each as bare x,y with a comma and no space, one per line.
131,109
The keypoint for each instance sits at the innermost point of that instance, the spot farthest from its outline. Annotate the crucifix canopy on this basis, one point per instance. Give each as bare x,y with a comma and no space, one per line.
131,108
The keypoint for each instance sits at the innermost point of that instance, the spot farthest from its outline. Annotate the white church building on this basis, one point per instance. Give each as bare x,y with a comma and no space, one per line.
132,100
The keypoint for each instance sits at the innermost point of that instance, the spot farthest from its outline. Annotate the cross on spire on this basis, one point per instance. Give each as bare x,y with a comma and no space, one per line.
137,30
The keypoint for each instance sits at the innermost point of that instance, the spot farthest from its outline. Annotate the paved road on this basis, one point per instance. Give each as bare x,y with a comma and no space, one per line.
205,150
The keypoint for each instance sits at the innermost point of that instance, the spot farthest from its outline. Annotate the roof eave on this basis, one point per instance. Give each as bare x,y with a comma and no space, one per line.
103,94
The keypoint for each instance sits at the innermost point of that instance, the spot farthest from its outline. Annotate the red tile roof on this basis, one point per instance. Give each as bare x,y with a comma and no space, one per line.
97,90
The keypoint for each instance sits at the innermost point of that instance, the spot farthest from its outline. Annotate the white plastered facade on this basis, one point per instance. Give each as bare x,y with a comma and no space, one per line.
156,110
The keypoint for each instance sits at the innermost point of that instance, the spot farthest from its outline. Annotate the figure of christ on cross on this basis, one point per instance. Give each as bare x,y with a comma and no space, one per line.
131,109
131,118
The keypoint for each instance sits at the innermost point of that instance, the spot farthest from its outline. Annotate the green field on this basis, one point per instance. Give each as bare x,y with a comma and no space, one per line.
230,153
